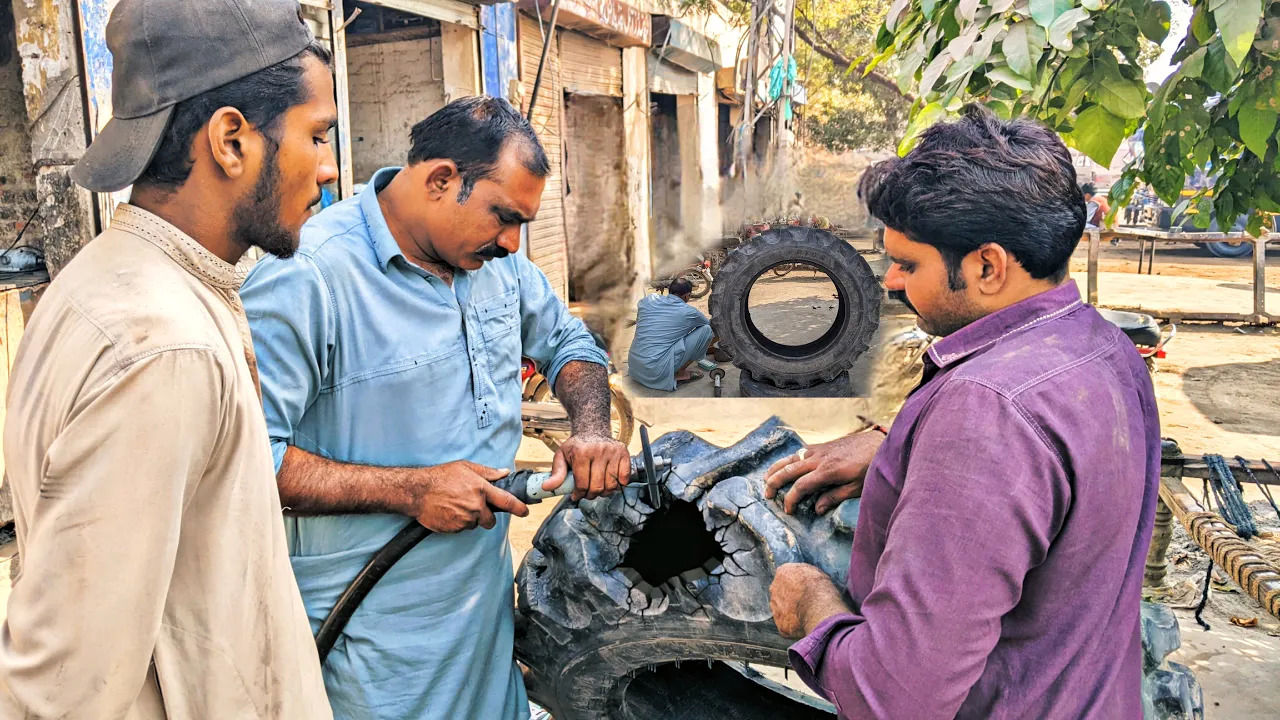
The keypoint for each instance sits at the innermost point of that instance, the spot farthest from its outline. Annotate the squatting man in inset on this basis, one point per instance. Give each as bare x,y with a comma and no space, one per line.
670,336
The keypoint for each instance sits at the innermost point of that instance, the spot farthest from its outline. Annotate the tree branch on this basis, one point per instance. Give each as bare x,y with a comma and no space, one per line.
842,62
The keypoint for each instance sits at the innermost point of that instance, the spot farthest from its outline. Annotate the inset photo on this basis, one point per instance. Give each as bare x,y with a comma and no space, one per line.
782,309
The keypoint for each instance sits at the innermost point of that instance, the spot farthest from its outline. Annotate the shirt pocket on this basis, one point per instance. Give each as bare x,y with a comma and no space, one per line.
499,315
500,329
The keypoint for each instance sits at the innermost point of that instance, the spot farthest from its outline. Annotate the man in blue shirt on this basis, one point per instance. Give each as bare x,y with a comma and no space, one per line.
670,336
389,352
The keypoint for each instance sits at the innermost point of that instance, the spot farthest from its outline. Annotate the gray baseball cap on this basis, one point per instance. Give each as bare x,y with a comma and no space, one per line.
167,51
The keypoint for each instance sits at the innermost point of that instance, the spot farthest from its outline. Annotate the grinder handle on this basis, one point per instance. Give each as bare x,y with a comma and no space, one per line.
526,485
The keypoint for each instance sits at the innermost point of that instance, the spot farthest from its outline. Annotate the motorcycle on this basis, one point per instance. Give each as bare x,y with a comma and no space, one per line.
546,420
699,276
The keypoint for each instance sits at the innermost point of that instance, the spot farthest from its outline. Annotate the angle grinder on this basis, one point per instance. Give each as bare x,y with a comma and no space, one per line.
526,485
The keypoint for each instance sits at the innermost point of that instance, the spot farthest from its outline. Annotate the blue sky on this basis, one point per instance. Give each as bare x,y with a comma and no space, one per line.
1160,69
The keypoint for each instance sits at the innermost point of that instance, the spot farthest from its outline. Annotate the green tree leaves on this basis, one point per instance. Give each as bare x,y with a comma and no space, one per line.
1076,66
1238,23
1256,127
1098,134
1023,45
1154,23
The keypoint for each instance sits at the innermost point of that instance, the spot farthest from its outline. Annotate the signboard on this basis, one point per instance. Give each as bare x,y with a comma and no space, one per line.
499,55
613,21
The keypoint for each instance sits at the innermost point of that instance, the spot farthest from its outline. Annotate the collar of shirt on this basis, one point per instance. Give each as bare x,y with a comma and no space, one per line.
182,248
384,245
987,331
387,249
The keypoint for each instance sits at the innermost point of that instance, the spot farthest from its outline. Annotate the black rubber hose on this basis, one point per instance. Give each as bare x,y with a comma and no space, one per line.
404,541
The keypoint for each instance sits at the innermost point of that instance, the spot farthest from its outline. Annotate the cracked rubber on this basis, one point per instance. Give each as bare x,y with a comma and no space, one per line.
602,641
822,360
1169,689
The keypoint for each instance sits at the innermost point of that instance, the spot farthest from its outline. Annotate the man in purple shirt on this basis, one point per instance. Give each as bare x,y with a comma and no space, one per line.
1004,523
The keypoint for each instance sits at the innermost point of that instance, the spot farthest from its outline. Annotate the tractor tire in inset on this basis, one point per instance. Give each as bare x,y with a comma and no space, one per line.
858,295
842,386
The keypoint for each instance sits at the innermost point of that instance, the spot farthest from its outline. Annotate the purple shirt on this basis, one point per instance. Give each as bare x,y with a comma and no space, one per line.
998,558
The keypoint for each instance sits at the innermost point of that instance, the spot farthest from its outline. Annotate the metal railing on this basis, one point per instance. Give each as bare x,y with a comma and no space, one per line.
1259,316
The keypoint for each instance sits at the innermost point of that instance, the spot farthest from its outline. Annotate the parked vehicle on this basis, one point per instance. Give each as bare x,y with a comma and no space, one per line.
1145,210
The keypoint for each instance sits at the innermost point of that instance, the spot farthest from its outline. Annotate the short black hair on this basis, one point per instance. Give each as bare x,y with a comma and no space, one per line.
262,97
1088,189
979,180
680,287
472,132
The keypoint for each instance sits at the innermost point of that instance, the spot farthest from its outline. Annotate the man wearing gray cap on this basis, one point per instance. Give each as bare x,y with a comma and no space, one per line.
155,579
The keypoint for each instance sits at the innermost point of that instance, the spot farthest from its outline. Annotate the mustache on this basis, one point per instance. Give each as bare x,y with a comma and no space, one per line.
901,296
493,251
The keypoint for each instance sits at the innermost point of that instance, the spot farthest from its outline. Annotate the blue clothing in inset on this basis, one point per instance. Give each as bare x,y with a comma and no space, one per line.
670,333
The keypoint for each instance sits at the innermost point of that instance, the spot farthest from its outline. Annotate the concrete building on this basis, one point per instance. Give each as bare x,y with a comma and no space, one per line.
629,109
635,107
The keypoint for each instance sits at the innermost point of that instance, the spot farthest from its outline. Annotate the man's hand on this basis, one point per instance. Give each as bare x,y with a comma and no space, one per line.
599,463
801,597
837,467
460,495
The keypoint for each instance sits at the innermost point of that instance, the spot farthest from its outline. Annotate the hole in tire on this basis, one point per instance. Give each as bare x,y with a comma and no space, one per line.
793,305
707,690
673,540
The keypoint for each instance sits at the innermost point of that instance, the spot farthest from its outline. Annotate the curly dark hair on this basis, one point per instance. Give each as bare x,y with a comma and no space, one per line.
981,179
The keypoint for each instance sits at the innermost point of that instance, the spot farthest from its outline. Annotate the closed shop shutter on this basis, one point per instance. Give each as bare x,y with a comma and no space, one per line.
547,247
588,65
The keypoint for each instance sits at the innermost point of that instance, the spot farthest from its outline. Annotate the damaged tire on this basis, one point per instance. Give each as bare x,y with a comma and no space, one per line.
1169,690
796,366
629,612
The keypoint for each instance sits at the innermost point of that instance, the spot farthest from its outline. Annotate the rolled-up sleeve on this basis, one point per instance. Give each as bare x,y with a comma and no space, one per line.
551,336
84,617
291,317
975,515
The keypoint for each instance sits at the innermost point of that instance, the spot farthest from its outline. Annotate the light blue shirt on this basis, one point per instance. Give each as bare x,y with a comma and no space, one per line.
366,358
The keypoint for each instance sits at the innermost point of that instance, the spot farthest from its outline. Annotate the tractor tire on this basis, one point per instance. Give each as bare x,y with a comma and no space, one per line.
629,612
1169,690
842,386
1225,249
796,366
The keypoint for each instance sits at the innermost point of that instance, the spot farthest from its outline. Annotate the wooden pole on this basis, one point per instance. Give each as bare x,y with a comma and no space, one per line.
1260,279
1160,537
